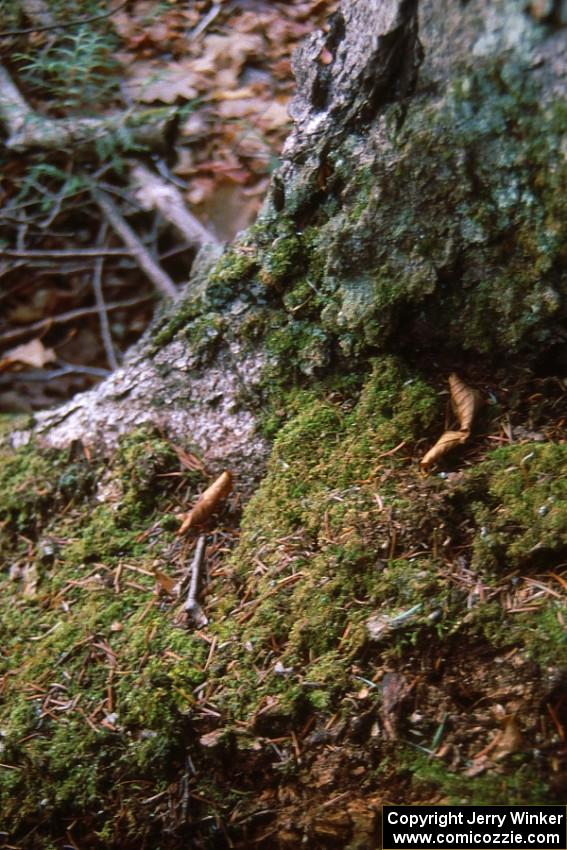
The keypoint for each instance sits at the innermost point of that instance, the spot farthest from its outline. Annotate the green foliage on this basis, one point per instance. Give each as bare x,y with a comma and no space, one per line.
77,69
47,185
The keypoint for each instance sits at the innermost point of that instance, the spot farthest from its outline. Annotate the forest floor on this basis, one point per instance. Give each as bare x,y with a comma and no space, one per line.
222,73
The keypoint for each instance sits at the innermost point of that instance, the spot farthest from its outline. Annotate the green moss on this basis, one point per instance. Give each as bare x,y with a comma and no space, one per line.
34,482
166,329
205,334
318,494
523,515
280,260
109,674
517,786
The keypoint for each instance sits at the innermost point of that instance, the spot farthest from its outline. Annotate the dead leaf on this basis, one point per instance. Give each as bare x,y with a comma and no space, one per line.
222,51
33,354
505,742
208,502
275,116
510,740
149,82
165,582
465,403
446,443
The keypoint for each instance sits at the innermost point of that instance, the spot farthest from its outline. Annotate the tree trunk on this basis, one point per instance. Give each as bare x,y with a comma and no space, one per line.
380,631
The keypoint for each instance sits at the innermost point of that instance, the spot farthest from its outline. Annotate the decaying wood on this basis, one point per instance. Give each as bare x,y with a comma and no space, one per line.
154,193
14,111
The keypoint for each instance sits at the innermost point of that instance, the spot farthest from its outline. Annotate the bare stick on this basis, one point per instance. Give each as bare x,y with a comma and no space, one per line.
29,130
191,605
102,311
63,318
147,128
155,193
204,23
154,272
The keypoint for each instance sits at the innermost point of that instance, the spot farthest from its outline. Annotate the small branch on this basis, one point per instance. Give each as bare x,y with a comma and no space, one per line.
204,22
154,272
46,375
102,311
147,128
76,23
191,605
64,318
154,193
29,130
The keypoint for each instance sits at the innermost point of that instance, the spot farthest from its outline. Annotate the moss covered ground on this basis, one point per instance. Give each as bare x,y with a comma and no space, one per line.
369,615
375,633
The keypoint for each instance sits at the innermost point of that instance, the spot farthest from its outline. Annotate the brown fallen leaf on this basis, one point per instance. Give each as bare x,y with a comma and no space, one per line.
511,739
33,354
165,582
465,403
446,443
208,502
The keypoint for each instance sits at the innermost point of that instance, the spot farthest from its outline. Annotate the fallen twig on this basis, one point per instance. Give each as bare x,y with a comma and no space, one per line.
204,22
64,318
191,605
154,193
64,253
28,129
100,303
154,272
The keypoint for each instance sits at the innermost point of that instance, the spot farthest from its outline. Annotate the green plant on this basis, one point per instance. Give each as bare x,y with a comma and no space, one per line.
77,71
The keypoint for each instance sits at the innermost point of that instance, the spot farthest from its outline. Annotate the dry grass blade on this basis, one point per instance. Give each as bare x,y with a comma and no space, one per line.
208,502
